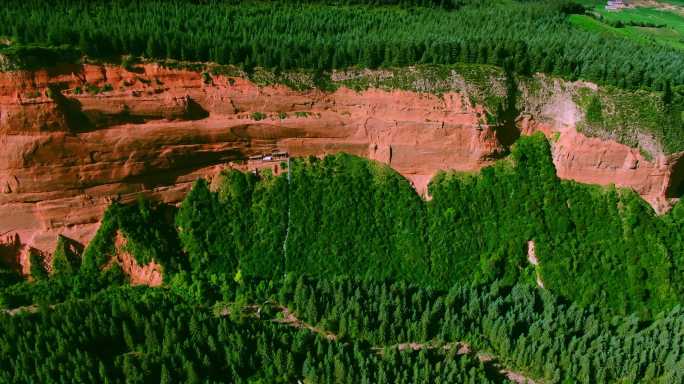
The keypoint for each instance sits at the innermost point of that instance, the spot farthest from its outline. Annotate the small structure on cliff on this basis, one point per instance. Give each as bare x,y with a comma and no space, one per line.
275,155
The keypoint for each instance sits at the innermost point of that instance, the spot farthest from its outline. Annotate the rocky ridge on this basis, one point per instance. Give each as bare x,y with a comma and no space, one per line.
76,138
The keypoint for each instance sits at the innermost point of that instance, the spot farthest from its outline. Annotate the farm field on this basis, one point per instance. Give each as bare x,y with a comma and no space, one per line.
654,22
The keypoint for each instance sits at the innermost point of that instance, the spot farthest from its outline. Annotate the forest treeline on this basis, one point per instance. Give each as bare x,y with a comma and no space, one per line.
527,328
344,215
532,36
354,217
139,336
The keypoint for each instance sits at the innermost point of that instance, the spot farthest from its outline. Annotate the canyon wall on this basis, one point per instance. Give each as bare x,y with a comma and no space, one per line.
75,138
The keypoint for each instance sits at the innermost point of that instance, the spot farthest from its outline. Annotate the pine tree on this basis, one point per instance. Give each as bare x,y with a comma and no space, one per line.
165,376
195,221
37,268
66,256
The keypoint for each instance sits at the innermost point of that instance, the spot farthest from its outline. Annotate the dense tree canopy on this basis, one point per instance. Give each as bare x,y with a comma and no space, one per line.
337,271
531,35
134,336
345,215
346,246
236,333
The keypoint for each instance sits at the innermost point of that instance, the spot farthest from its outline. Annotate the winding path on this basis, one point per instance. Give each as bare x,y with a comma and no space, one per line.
289,318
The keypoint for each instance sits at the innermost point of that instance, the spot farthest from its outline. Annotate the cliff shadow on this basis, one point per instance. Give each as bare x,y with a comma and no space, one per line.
10,250
182,166
65,69
194,111
76,119
508,133
80,121
675,188
507,113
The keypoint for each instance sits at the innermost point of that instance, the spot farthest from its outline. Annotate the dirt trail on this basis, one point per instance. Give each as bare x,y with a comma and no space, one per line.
33,308
532,258
289,318
465,349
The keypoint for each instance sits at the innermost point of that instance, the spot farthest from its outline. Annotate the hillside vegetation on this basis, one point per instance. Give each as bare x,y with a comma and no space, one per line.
645,25
346,331
343,215
346,246
348,216
336,271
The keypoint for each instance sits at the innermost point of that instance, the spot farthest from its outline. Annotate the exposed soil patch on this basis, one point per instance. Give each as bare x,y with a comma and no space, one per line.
532,258
531,253
149,274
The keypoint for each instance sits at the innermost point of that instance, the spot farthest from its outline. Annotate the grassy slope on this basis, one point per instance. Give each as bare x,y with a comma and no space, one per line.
671,33
625,116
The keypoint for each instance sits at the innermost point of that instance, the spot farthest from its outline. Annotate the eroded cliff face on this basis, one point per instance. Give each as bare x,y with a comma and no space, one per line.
66,155
149,274
596,161
593,160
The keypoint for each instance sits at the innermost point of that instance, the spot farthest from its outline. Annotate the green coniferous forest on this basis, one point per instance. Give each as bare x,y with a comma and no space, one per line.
327,276
536,36
337,271
353,217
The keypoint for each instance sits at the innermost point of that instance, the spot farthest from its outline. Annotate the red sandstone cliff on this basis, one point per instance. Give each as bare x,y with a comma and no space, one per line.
64,158
596,161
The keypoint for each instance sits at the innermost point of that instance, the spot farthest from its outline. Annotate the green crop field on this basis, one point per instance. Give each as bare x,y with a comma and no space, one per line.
663,26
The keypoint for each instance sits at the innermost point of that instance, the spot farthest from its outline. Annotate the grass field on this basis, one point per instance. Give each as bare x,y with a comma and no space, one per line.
665,27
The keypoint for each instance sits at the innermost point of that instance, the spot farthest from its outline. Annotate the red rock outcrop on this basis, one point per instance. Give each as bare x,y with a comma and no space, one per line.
149,274
596,161
114,134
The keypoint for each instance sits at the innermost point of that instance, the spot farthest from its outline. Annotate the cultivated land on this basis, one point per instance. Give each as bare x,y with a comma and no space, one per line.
644,22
